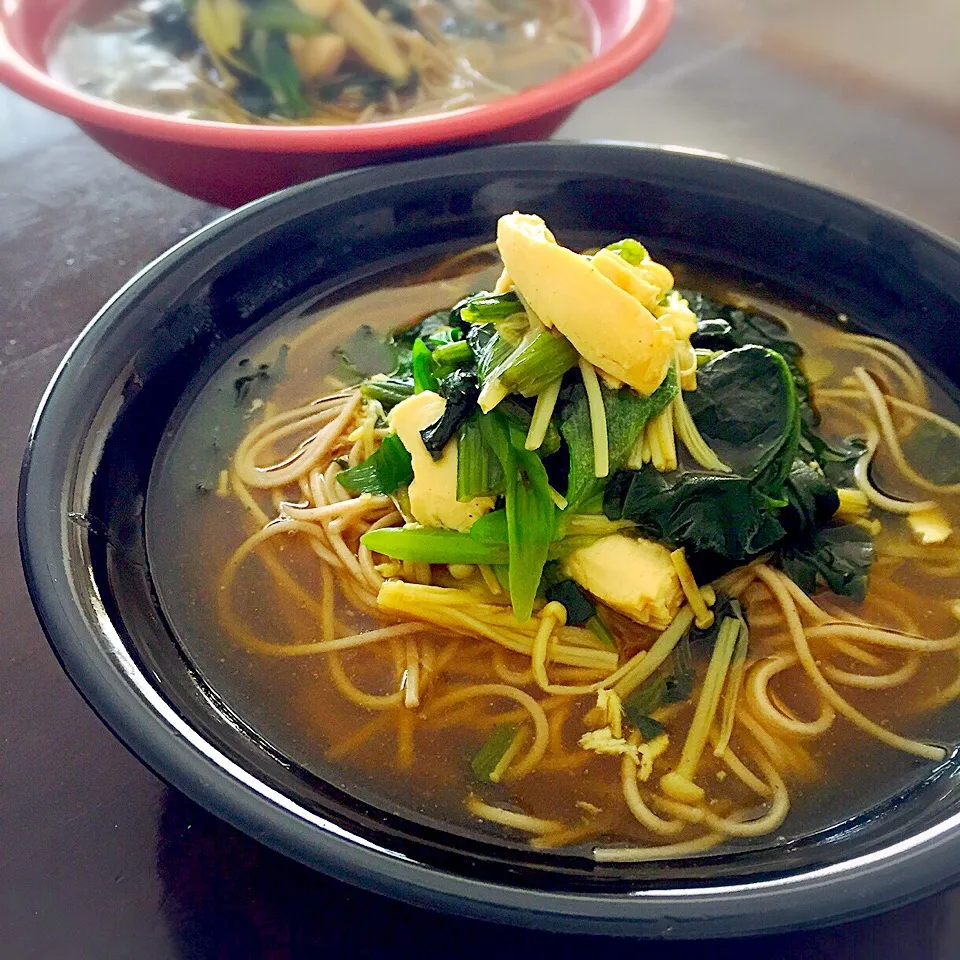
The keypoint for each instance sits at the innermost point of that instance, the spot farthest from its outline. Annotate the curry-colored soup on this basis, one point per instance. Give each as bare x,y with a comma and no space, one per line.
345,715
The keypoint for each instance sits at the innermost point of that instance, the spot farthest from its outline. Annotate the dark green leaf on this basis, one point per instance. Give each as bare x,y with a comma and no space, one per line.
720,514
647,727
388,469
429,326
672,683
627,413
574,599
838,557
460,389
745,407
811,501
934,452
489,348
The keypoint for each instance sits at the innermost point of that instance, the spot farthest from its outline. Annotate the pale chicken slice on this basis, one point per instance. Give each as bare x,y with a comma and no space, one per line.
607,325
632,575
433,491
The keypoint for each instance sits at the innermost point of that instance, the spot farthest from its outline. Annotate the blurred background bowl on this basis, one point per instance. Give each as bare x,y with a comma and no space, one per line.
229,163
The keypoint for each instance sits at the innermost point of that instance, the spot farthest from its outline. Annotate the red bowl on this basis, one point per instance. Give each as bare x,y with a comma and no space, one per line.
230,163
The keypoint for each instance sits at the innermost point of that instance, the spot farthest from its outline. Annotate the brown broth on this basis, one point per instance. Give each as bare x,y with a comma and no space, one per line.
294,705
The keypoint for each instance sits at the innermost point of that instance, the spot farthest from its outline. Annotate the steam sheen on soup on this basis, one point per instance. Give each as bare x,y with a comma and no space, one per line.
639,589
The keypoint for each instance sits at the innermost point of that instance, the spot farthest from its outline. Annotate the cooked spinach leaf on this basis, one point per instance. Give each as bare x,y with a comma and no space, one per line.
489,349
838,557
672,683
627,413
713,513
934,452
811,501
460,389
745,407
574,599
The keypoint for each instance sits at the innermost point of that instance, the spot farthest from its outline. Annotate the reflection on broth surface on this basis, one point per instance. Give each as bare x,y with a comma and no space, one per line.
441,715
319,61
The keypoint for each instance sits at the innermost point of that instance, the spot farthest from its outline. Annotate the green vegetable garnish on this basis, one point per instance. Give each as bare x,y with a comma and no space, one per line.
460,390
424,373
627,413
389,468
269,57
536,365
745,407
489,307
632,251
492,752
479,473
388,391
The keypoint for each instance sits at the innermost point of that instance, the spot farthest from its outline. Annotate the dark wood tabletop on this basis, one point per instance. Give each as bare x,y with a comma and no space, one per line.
98,858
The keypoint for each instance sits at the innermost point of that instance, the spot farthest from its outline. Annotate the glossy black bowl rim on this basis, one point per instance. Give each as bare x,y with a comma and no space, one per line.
138,715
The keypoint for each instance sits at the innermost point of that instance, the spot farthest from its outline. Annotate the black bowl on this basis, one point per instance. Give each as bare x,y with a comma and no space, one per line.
87,467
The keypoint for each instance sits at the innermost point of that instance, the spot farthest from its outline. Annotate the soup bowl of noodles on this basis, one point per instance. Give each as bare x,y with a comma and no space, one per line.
228,100
566,548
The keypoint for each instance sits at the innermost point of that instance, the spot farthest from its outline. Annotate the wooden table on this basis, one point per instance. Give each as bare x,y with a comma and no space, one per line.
98,859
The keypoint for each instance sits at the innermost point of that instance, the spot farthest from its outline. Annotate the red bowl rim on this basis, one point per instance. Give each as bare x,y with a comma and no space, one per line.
565,91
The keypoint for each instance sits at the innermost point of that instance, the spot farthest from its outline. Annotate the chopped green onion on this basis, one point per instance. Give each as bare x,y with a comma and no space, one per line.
537,363
453,354
630,250
424,374
479,473
487,758
433,545
388,391
489,307
386,470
